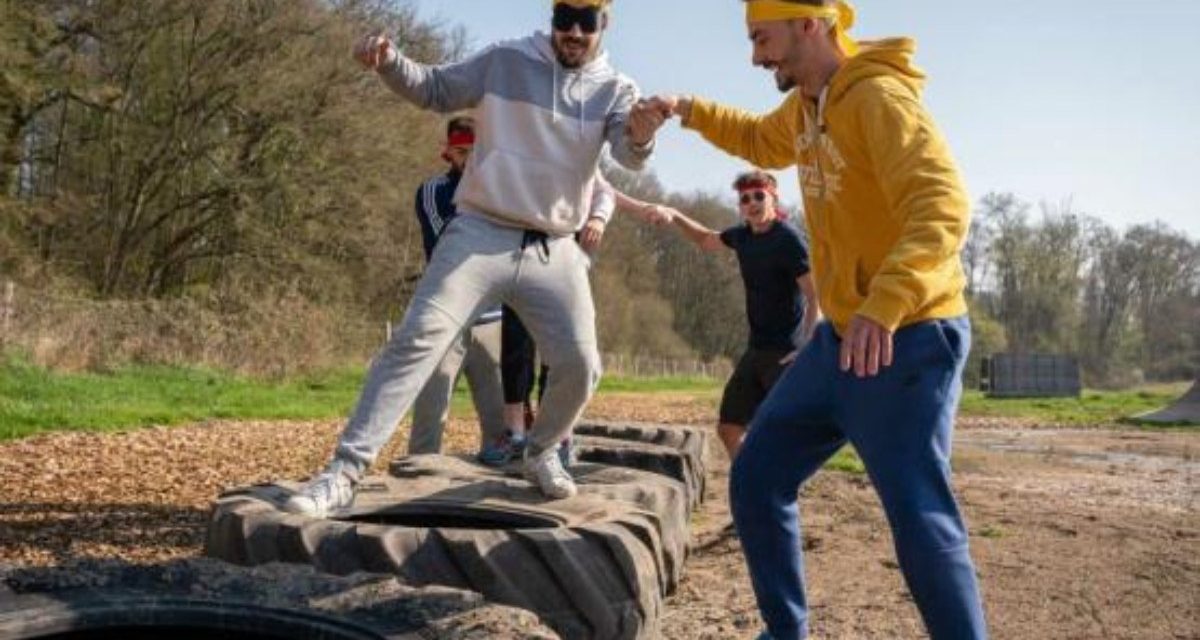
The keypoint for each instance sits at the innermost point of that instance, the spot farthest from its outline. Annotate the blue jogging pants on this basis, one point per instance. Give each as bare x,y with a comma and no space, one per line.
901,423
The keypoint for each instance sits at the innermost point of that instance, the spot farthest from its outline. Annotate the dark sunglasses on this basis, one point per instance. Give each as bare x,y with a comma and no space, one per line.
755,196
567,16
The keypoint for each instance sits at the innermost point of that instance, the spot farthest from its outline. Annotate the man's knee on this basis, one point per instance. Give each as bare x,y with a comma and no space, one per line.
577,365
748,482
925,519
731,435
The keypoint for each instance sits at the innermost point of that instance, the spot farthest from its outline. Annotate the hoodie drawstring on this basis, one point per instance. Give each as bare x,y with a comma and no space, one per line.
541,240
579,80
554,94
816,133
578,92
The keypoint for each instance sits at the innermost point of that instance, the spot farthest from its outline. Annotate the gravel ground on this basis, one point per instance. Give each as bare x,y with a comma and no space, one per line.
1077,533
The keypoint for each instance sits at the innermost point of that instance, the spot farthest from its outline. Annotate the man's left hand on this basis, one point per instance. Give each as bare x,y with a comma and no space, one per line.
592,234
866,347
659,215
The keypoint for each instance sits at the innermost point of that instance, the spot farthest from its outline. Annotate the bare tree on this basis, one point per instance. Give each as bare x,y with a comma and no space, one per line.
1167,273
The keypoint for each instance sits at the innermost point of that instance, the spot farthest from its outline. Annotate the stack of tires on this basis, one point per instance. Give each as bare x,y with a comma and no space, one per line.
593,566
204,599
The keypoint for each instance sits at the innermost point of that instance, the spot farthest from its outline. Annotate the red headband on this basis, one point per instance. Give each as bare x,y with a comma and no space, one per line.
461,139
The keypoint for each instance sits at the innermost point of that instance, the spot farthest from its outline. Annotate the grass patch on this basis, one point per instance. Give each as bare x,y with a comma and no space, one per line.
990,532
35,400
681,384
1091,408
846,460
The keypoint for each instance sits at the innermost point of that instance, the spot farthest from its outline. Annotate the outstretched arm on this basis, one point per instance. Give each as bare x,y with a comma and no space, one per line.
767,141
649,212
606,200
444,88
698,234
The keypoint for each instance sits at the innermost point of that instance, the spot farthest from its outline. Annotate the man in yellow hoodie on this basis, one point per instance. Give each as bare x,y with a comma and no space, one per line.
887,214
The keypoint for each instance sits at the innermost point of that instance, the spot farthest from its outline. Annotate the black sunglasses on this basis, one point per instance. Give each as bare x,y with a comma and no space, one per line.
756,196
567,16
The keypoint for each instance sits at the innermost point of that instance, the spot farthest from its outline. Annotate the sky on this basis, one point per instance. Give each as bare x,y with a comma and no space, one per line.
1091,103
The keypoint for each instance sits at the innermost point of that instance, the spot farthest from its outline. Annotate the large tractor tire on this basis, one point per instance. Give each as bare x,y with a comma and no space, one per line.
674,451
592,566
664,499
201,599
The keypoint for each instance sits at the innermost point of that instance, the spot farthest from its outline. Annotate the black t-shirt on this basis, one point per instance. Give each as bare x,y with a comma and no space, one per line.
771,262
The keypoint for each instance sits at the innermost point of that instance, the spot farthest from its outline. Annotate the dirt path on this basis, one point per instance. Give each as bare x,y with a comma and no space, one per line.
1076,533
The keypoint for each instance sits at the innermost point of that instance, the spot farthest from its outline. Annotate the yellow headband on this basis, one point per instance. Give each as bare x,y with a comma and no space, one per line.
842,14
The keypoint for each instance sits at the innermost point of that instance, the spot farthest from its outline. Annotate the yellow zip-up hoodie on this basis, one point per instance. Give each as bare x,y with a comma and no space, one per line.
886,208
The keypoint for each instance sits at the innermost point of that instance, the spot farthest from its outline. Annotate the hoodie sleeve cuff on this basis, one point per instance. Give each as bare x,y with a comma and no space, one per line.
642,151
885,308
699,115
393,59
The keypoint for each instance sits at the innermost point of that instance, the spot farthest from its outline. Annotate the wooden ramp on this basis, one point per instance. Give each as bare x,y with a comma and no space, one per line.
1185,410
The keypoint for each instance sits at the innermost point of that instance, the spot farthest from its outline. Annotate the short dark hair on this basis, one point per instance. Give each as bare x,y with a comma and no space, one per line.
460,124
755,178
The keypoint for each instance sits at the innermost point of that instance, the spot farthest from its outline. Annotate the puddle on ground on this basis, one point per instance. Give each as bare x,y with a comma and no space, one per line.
1090,448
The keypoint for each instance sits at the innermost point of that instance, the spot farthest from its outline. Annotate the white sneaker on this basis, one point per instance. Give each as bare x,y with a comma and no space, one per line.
546,471
328,492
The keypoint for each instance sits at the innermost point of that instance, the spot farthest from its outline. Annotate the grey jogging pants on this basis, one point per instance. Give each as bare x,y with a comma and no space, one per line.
477,265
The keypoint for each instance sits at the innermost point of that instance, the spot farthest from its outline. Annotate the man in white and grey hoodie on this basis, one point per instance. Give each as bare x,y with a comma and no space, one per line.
545,107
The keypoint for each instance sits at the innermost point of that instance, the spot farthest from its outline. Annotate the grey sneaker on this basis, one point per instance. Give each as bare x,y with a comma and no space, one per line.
546,471
328,492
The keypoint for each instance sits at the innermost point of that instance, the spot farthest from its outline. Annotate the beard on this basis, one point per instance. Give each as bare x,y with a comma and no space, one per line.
786,69
784,82
569,59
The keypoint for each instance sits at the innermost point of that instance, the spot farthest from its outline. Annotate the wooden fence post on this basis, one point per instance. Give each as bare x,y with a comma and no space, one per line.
8,310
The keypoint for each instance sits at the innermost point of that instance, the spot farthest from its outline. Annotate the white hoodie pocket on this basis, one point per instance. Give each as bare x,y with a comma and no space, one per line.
532,193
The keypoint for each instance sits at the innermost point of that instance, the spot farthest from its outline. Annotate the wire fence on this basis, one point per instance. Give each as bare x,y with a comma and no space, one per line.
633,366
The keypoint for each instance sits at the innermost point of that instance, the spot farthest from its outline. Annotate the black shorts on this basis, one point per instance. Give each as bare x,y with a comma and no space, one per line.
754,376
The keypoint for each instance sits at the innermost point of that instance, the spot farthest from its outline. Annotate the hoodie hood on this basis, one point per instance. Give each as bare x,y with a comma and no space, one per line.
892,57
576,80
543,45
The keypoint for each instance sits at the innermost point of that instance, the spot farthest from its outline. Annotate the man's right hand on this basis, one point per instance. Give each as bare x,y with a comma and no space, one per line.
374,51
645,119
866,348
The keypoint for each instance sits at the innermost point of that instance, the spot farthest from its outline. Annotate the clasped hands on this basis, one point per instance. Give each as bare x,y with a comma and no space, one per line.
649,115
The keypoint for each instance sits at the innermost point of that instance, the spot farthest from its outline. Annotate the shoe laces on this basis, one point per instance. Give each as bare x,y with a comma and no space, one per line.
550,468
324,486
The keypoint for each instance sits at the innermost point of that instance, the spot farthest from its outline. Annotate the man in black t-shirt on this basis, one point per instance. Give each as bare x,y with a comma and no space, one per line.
781,300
